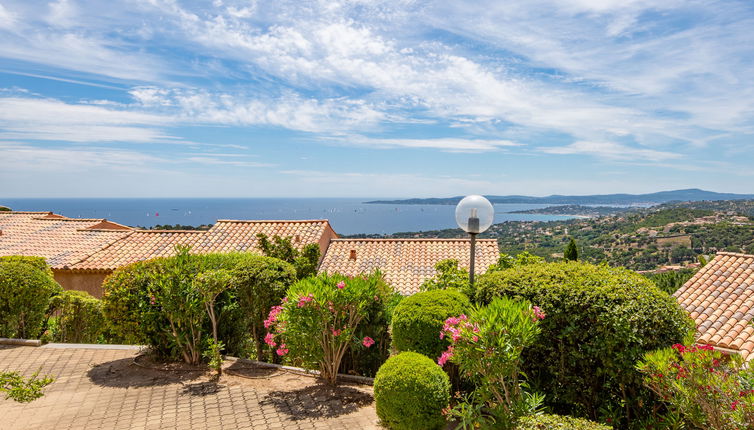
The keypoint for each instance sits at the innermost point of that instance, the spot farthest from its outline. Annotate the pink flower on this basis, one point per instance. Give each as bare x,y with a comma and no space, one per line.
447,355
269,339
475,338
539,314
152,300
304,300
285,300
368,341
273,316
282,350
336,332
341,285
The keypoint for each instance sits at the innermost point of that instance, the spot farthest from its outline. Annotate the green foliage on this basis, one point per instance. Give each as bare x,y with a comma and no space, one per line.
376,324
506,261
319,318
487,347
709,389
571,252
600,322
672,280
21,389
418,319
305,261
260,283
410,392
552,422
140,298
211,284
25,293
5,209
38,262
449,275
79,317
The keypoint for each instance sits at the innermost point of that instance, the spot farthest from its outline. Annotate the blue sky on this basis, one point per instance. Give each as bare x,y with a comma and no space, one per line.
374,98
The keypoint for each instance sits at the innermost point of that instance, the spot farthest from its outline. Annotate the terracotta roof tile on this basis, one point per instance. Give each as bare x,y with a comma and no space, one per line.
406,263
224,236
720,299
62,241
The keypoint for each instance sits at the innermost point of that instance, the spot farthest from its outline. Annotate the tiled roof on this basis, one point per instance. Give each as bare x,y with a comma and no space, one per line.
224,236
720,299
406,263
62,241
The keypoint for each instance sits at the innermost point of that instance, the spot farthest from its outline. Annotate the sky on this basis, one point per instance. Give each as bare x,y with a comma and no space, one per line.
371,98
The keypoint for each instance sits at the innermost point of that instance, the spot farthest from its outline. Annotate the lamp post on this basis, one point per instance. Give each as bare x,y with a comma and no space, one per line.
474,215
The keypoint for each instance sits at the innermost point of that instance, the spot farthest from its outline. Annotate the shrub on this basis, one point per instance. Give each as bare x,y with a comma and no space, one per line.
448,275
487,348
79,317
554,422
709,389
304,261
376,325
418,319
601,321
318,319
411,391
260,283
21,389
140,297
25,293
38,262
672,280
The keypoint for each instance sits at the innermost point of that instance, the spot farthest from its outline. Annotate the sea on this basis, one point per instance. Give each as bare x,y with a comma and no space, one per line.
347,216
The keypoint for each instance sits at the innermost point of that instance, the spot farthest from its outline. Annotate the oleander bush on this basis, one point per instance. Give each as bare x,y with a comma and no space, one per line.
706,388
26,288
260,283
411,391
601,321
160,304
558,422
418,319
318,321
487,346
78,317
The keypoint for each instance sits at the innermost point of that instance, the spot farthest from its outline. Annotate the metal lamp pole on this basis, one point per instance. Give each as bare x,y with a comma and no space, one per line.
473,228
474,215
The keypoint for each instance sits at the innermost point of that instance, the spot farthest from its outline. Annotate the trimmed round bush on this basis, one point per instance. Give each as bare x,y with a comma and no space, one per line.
38,262
600,322
411,391
25,293
79,317
418,320
558,422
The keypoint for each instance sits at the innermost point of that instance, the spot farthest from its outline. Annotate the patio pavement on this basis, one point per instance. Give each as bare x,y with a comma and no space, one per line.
103,389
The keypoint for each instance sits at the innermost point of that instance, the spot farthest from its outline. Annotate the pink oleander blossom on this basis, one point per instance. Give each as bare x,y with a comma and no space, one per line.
269,339
368,341
304,300
447,355
539,314
336,332
152,300
282,350
341,285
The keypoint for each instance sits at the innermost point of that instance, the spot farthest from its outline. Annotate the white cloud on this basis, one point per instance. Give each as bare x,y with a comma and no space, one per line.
446,144
49,119
612,151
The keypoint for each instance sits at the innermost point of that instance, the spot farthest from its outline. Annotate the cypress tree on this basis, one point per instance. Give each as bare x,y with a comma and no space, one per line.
571,252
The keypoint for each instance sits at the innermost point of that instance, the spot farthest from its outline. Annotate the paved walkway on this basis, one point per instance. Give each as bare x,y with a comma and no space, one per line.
103,389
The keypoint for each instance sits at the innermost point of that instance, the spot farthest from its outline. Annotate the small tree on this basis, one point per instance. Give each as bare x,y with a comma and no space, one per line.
210,285
305,261
571,252
318,318
448,275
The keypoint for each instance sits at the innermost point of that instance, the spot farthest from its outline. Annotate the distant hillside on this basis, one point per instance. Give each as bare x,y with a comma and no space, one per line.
5,209
603,199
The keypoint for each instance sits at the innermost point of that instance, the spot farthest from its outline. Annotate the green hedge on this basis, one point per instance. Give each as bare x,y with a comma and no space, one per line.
78,316
418,319
260,283
600,321
38,262
25,293
410,391
134,316
558,422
